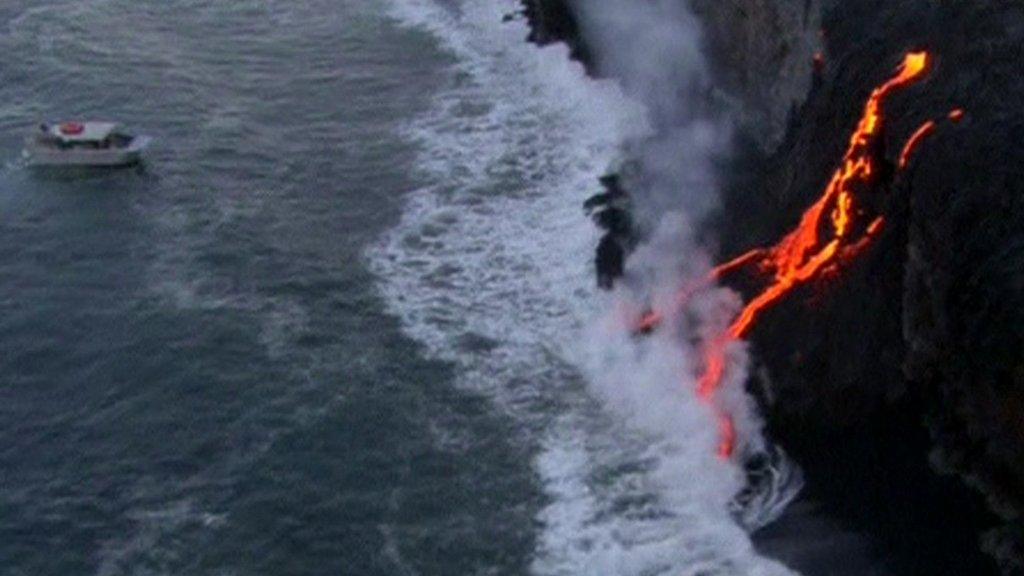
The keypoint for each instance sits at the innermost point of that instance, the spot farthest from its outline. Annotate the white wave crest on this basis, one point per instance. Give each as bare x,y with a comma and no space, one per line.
490,268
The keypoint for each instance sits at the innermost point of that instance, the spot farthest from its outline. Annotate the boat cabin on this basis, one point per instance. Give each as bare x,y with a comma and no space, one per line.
83,135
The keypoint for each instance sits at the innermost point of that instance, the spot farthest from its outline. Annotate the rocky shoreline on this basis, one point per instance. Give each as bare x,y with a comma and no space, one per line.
917,407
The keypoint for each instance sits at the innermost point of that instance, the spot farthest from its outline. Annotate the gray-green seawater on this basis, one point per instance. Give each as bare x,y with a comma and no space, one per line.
330,326
198,376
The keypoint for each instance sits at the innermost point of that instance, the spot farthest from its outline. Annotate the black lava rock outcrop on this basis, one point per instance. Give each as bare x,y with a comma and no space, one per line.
554,21
610,210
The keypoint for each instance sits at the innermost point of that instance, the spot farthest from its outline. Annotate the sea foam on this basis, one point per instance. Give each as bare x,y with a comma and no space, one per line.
495,249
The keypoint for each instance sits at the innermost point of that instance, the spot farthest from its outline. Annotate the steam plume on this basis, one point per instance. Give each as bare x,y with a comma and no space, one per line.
655,50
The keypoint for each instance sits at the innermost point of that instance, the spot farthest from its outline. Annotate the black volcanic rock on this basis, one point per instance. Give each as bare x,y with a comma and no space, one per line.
554,21
943,342
763,52
610,211
905,370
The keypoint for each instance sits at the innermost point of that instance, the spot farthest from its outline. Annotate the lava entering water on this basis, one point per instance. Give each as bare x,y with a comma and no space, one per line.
831,233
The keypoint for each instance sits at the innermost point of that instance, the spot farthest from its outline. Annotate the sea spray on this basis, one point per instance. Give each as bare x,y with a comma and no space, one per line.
495,250
655,49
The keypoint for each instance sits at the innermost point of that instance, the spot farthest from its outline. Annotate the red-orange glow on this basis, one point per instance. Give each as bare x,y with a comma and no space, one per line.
737,264
829,235
851,252
727,434
648,323
714,368
923,132
818,64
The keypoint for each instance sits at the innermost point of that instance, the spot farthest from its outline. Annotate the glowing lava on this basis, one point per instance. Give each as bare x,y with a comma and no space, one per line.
923,132
830,234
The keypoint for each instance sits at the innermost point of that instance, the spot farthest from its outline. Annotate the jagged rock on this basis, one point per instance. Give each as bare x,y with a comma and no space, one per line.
610,262
554,21
610,211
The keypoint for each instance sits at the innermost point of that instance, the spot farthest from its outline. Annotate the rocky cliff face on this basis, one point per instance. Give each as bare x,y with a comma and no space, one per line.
927,328
554,21
912,362
764,52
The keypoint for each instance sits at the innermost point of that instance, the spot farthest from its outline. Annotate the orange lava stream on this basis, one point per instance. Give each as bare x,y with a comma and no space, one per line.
830,234
923,132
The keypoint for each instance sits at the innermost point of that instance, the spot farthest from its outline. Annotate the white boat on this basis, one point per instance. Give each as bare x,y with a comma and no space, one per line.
100,144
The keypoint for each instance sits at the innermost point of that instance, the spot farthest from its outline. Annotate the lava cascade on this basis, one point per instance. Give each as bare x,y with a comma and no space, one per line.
830,234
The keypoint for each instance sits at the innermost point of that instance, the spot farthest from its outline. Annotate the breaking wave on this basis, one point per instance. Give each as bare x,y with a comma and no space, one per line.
490,269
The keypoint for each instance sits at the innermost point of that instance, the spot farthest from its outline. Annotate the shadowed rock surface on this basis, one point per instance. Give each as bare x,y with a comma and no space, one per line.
763,50
611,212
901,380
554,21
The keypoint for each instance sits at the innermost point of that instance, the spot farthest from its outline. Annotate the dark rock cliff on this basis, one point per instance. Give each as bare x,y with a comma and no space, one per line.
910,365
927,328
763,51
554,21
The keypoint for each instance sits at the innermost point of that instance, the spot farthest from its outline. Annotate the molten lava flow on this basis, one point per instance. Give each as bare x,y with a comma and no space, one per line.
829,235
923,132
926,130
727,431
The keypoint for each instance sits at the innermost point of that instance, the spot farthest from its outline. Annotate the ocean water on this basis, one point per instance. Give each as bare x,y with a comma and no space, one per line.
342,320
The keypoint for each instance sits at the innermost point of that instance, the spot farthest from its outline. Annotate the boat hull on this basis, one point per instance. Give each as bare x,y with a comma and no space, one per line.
40,156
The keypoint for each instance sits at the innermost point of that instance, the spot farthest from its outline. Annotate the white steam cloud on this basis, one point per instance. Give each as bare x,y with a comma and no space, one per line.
654,48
